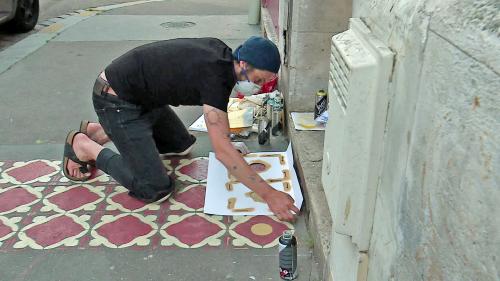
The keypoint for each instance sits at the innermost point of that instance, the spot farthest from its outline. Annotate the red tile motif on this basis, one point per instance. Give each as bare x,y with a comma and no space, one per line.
8,227
191,198
4,230
124,230
193,231
73,198
257,231
128,202
18,198
193,170
29,172
53,231
120,200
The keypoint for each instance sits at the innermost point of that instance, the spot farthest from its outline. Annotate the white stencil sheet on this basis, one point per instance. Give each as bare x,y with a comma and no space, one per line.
222,188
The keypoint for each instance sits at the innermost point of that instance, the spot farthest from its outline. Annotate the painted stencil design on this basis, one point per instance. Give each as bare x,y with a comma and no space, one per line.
227,196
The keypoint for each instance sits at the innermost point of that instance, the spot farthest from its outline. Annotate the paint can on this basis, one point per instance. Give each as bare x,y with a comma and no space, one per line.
264,131
276,115
321,103
287,246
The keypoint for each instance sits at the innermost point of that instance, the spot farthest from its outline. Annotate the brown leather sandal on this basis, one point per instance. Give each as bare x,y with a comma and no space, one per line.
69,154
83,126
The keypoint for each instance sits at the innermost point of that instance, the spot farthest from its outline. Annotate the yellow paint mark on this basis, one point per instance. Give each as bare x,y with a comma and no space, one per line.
261,229
308,126
282,159
251,155
88,13
476,103
255,197
53,28
286,175
243,210
231,202
286,186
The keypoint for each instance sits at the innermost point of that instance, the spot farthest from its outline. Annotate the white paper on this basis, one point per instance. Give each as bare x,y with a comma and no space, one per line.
295,180
304,121
199,125
217,195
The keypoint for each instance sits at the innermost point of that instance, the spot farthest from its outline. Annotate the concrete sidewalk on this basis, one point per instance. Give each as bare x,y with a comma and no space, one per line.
53,229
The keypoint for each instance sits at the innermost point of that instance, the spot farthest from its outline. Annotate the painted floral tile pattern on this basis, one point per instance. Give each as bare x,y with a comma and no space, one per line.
42,209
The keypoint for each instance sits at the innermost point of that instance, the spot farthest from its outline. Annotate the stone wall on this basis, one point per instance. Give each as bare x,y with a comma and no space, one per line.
437,213
311,25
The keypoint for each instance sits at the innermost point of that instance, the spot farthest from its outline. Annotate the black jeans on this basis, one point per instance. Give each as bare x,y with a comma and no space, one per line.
140,135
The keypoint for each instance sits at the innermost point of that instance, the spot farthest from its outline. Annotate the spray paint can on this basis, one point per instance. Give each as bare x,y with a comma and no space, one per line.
276,116
287,246
264,131
321,103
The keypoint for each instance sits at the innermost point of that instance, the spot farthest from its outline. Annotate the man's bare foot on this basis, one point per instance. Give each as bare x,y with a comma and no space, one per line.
86,150
96,133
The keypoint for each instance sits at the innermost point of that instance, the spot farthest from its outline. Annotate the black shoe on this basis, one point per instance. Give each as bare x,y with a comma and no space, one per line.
183,151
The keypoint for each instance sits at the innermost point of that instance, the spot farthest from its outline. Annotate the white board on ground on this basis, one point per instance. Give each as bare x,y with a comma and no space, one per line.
226,196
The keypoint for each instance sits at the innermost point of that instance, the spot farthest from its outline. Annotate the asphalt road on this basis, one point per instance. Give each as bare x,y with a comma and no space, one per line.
51,9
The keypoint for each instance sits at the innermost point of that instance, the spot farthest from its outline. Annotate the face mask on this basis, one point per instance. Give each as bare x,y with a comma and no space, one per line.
246,87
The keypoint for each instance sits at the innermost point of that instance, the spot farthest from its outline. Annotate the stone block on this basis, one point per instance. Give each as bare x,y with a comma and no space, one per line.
321,15
308,68
462,21
311,51
302,87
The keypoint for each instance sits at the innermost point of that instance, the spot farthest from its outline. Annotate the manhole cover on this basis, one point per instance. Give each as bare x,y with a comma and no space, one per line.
178,24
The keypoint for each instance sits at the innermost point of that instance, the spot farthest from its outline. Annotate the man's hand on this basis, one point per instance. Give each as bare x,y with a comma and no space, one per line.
282,205
241,147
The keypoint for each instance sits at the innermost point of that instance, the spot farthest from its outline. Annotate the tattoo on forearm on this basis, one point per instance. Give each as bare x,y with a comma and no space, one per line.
212,117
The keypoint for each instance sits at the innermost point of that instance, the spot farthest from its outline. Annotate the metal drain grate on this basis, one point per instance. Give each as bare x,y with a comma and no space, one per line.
178,24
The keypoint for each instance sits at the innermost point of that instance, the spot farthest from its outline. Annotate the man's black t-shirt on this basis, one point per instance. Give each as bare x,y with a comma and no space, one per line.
175,72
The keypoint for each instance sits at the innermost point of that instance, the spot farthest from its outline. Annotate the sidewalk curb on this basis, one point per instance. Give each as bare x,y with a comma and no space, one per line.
307,149
53,27
308,154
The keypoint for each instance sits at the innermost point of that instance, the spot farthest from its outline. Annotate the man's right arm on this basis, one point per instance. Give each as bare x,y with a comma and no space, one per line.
279,202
